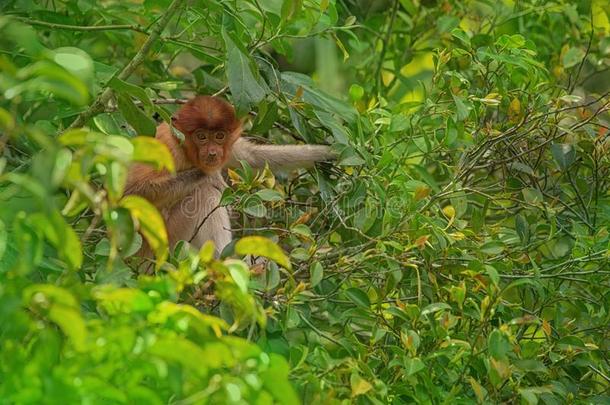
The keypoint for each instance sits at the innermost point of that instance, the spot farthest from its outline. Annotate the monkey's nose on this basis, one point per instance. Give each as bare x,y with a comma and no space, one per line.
211,154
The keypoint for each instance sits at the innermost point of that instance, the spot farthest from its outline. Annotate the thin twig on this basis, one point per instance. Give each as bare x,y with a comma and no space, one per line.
384,46
82,27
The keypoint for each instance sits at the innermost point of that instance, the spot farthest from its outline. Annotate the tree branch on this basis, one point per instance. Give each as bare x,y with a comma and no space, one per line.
156,30
81,27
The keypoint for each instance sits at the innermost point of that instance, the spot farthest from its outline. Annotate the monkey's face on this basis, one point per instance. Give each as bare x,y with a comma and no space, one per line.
212,148
210,127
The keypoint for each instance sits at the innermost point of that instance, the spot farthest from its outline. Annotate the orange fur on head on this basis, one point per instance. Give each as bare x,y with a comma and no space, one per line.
210,128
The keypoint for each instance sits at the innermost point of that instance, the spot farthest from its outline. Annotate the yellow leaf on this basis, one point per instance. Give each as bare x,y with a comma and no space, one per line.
359,385
449,211
514,109
298,94
421,241
260,246
546,327
235,179
151,223
600,18
501,367
458,235
152,151
269,177
304,218
478,390
420,63
421,192
206,253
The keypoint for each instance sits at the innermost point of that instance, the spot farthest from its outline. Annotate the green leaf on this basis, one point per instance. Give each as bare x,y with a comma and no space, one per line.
122,300
132,90
413,366
492,248
76,61
573,57
269,195
435,307
564,154
275,379
48,77
255,207
290,8
185,353
240,273
292,81
23,35
358,297
462,110
260,246
461,35
522,229
532,195
3,238
79,137
51,293
316,274
63,309
61,235
166,310
511,41
115,179
152,151
356,92
498,344
141,123
528,396
244,82
71,324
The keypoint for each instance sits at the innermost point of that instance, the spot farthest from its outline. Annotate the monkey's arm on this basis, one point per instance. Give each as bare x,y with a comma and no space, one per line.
278,156
162,188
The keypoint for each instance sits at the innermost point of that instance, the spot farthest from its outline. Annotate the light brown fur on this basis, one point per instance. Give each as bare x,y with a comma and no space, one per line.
189,199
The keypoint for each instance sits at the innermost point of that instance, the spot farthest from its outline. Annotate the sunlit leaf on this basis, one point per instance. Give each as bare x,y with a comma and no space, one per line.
260,246
359,385
150,224
152,151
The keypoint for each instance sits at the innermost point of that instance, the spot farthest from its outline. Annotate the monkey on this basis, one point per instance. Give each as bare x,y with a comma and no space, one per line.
189,199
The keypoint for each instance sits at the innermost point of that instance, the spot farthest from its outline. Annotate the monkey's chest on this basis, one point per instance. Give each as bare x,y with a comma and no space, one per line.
199,216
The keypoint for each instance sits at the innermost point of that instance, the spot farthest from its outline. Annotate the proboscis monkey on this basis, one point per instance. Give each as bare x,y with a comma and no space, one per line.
189,199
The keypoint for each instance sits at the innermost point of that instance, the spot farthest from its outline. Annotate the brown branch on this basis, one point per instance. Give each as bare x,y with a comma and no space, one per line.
81,27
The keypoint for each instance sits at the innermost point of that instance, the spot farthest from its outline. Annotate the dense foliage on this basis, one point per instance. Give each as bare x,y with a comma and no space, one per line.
457,251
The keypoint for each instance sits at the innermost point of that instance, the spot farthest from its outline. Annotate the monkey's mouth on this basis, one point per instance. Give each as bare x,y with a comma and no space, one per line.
211,162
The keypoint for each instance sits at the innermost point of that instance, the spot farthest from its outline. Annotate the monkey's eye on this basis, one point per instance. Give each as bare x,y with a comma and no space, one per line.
200,134
219,136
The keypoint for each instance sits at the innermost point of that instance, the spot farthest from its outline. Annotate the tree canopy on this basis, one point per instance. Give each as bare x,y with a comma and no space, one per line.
455,252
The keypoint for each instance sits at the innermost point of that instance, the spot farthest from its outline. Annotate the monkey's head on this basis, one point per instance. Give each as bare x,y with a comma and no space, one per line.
210,128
